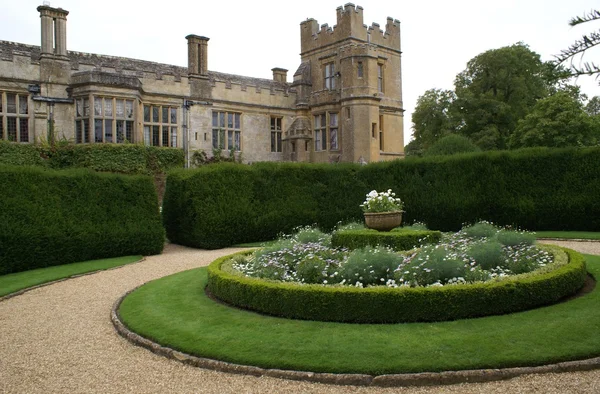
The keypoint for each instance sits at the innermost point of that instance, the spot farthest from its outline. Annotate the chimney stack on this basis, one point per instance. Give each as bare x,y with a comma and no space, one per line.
197,55
54,30
279,75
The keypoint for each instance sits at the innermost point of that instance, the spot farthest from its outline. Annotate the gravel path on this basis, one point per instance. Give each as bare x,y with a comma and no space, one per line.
59,339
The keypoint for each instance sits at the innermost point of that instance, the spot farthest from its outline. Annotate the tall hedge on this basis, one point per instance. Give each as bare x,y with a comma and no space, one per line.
535,189
51,217
119,158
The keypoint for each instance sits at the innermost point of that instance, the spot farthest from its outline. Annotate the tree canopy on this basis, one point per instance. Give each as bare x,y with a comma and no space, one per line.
431,118
557,121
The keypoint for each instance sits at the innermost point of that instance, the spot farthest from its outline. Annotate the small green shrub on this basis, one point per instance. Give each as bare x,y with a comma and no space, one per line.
310,234
480,230
312,270
369,266
514,238
431,265
350,226
488,255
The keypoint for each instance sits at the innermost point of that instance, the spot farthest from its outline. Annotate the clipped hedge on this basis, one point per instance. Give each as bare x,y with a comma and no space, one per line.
535,189
397,239
396,305
53,217
119,158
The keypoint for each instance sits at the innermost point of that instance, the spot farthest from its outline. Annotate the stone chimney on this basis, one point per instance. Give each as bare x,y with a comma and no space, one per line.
54,30
279,75
197,55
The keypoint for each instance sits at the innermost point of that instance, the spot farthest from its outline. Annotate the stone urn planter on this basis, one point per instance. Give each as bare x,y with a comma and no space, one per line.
383,221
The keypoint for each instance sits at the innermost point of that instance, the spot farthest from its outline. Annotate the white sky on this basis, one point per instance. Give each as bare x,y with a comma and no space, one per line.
249,38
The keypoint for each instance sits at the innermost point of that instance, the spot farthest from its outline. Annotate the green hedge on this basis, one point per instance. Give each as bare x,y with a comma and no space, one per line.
53,217
119,158
396,239
535,189
396,305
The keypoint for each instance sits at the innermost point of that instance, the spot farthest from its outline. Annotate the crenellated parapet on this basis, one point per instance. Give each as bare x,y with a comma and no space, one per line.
389,38
349,25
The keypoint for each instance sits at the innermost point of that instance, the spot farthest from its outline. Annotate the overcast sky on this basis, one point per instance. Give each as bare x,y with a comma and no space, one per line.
250,37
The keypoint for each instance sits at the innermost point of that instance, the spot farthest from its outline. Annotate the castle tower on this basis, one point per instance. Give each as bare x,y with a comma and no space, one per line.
355,94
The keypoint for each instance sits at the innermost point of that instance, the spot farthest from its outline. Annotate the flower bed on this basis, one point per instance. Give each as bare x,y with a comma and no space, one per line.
479,271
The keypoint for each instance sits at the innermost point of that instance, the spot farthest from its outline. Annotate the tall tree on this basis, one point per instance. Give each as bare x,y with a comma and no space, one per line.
580,46
557,121
431,118
593,106
499,87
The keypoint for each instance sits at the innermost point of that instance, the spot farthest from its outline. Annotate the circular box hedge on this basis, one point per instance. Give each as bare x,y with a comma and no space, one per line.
396,305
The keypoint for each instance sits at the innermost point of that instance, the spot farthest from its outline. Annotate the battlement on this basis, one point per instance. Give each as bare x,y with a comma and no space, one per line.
349,25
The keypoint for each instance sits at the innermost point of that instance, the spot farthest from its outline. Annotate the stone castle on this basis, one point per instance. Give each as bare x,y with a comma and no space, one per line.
343,105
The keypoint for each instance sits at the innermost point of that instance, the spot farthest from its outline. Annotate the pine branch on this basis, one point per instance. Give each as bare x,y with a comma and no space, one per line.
580,46
591,16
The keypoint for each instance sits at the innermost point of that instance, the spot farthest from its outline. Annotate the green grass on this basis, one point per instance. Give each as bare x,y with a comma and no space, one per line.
21,280
175,312
568,234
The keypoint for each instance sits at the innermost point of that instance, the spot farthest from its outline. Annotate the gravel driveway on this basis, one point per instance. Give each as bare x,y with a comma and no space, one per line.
59,339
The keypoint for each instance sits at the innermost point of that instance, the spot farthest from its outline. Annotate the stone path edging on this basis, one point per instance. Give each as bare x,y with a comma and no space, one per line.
391,380
27,289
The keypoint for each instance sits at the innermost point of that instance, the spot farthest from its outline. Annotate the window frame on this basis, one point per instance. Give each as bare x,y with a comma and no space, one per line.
15,126
226,129
380,78
276,126
160,125
98,117
329,76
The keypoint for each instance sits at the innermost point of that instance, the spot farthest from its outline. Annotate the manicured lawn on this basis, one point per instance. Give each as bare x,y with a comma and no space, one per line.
568,234
21,280
175,311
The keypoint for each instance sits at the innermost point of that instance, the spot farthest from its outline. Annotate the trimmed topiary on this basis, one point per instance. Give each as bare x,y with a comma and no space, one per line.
383,304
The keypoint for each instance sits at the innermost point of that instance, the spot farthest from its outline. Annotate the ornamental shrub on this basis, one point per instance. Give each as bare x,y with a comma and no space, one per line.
369,266
481,230
312,270
514,238
488,255
431,265
51,217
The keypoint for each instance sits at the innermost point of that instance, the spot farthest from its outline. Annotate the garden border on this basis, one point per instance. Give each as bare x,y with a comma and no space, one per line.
373,305
389,380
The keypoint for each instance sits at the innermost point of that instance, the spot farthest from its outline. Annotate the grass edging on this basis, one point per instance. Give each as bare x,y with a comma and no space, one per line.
384,380
401,305
65,278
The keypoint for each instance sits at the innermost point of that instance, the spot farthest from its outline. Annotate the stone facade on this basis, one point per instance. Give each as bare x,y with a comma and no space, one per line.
344,104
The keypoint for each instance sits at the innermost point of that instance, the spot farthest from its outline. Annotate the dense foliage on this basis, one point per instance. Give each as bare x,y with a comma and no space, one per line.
119,158
537,189
498,91
53,217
